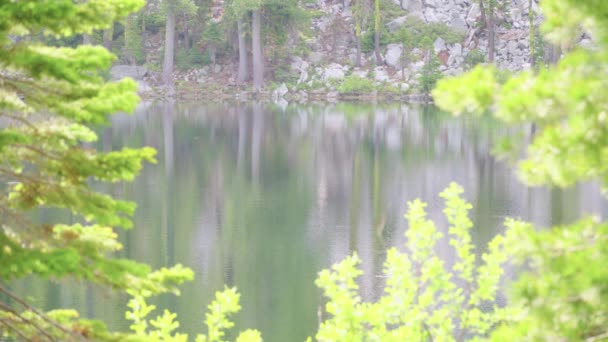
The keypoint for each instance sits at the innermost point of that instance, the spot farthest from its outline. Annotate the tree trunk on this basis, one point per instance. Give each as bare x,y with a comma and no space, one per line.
358,58
256,46
169,46
532,34
108,37
128,36
553,54
144,13
484,19
187,39
491,33
86,39
377,32
212,53
242,71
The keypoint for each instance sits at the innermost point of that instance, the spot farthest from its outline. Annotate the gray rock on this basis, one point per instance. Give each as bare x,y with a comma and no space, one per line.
360,73
417,66
587,44
393,55
315,57
333,71
439,45
395,24
473,14
456,50
143,87
217,68
457,23
512,47
280,92
380,74
298,65
455,55
409,5
119,72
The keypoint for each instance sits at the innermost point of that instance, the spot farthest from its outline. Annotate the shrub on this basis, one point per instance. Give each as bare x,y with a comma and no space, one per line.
367,39
186,59
163,327
423,300
430,74
414,31
473,58
355,84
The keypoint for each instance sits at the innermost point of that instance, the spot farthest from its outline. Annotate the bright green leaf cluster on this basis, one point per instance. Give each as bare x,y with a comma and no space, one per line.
48,98
562,296
423,299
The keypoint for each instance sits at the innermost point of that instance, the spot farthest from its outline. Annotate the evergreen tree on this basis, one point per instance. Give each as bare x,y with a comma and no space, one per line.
48,97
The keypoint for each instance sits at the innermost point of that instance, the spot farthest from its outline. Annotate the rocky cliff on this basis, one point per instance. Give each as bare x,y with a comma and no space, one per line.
330,54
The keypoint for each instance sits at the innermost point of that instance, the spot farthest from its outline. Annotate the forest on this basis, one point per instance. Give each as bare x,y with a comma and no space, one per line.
241,172
301,49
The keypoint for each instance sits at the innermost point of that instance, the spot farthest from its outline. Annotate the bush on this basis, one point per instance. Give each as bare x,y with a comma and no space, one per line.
473,58
367,39
188,59
430,74
355,84
423,300
414,31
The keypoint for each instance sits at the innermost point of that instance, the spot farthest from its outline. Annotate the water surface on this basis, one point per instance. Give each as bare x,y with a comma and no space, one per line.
263,197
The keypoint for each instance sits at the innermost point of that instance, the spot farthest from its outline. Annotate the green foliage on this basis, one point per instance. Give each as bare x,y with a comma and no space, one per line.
423,298
48,98
473,58
414,32
563,295
430,73
212,34
188,59
133,49
355,84
367,39
155,21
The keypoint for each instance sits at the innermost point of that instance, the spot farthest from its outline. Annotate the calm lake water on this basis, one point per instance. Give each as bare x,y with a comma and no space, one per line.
263,197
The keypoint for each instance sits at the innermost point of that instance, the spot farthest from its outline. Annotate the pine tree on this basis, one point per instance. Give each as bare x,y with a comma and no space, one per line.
48,98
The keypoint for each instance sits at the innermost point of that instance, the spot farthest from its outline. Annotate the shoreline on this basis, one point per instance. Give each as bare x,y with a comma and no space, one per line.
233,93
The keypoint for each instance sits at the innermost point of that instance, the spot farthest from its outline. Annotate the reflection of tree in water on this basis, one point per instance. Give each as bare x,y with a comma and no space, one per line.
263,198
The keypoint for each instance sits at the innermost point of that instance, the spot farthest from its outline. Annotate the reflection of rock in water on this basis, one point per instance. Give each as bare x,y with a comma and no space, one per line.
257,189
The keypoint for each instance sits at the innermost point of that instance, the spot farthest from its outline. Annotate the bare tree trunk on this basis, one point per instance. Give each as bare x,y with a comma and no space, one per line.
169,46
143,13
377,32
213,53
86,39
555,52
256,46
242,72
532,34
358,58
107,37
484,19
491,33
128,36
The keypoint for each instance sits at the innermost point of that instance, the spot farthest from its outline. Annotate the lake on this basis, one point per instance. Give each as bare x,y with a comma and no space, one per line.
263,197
